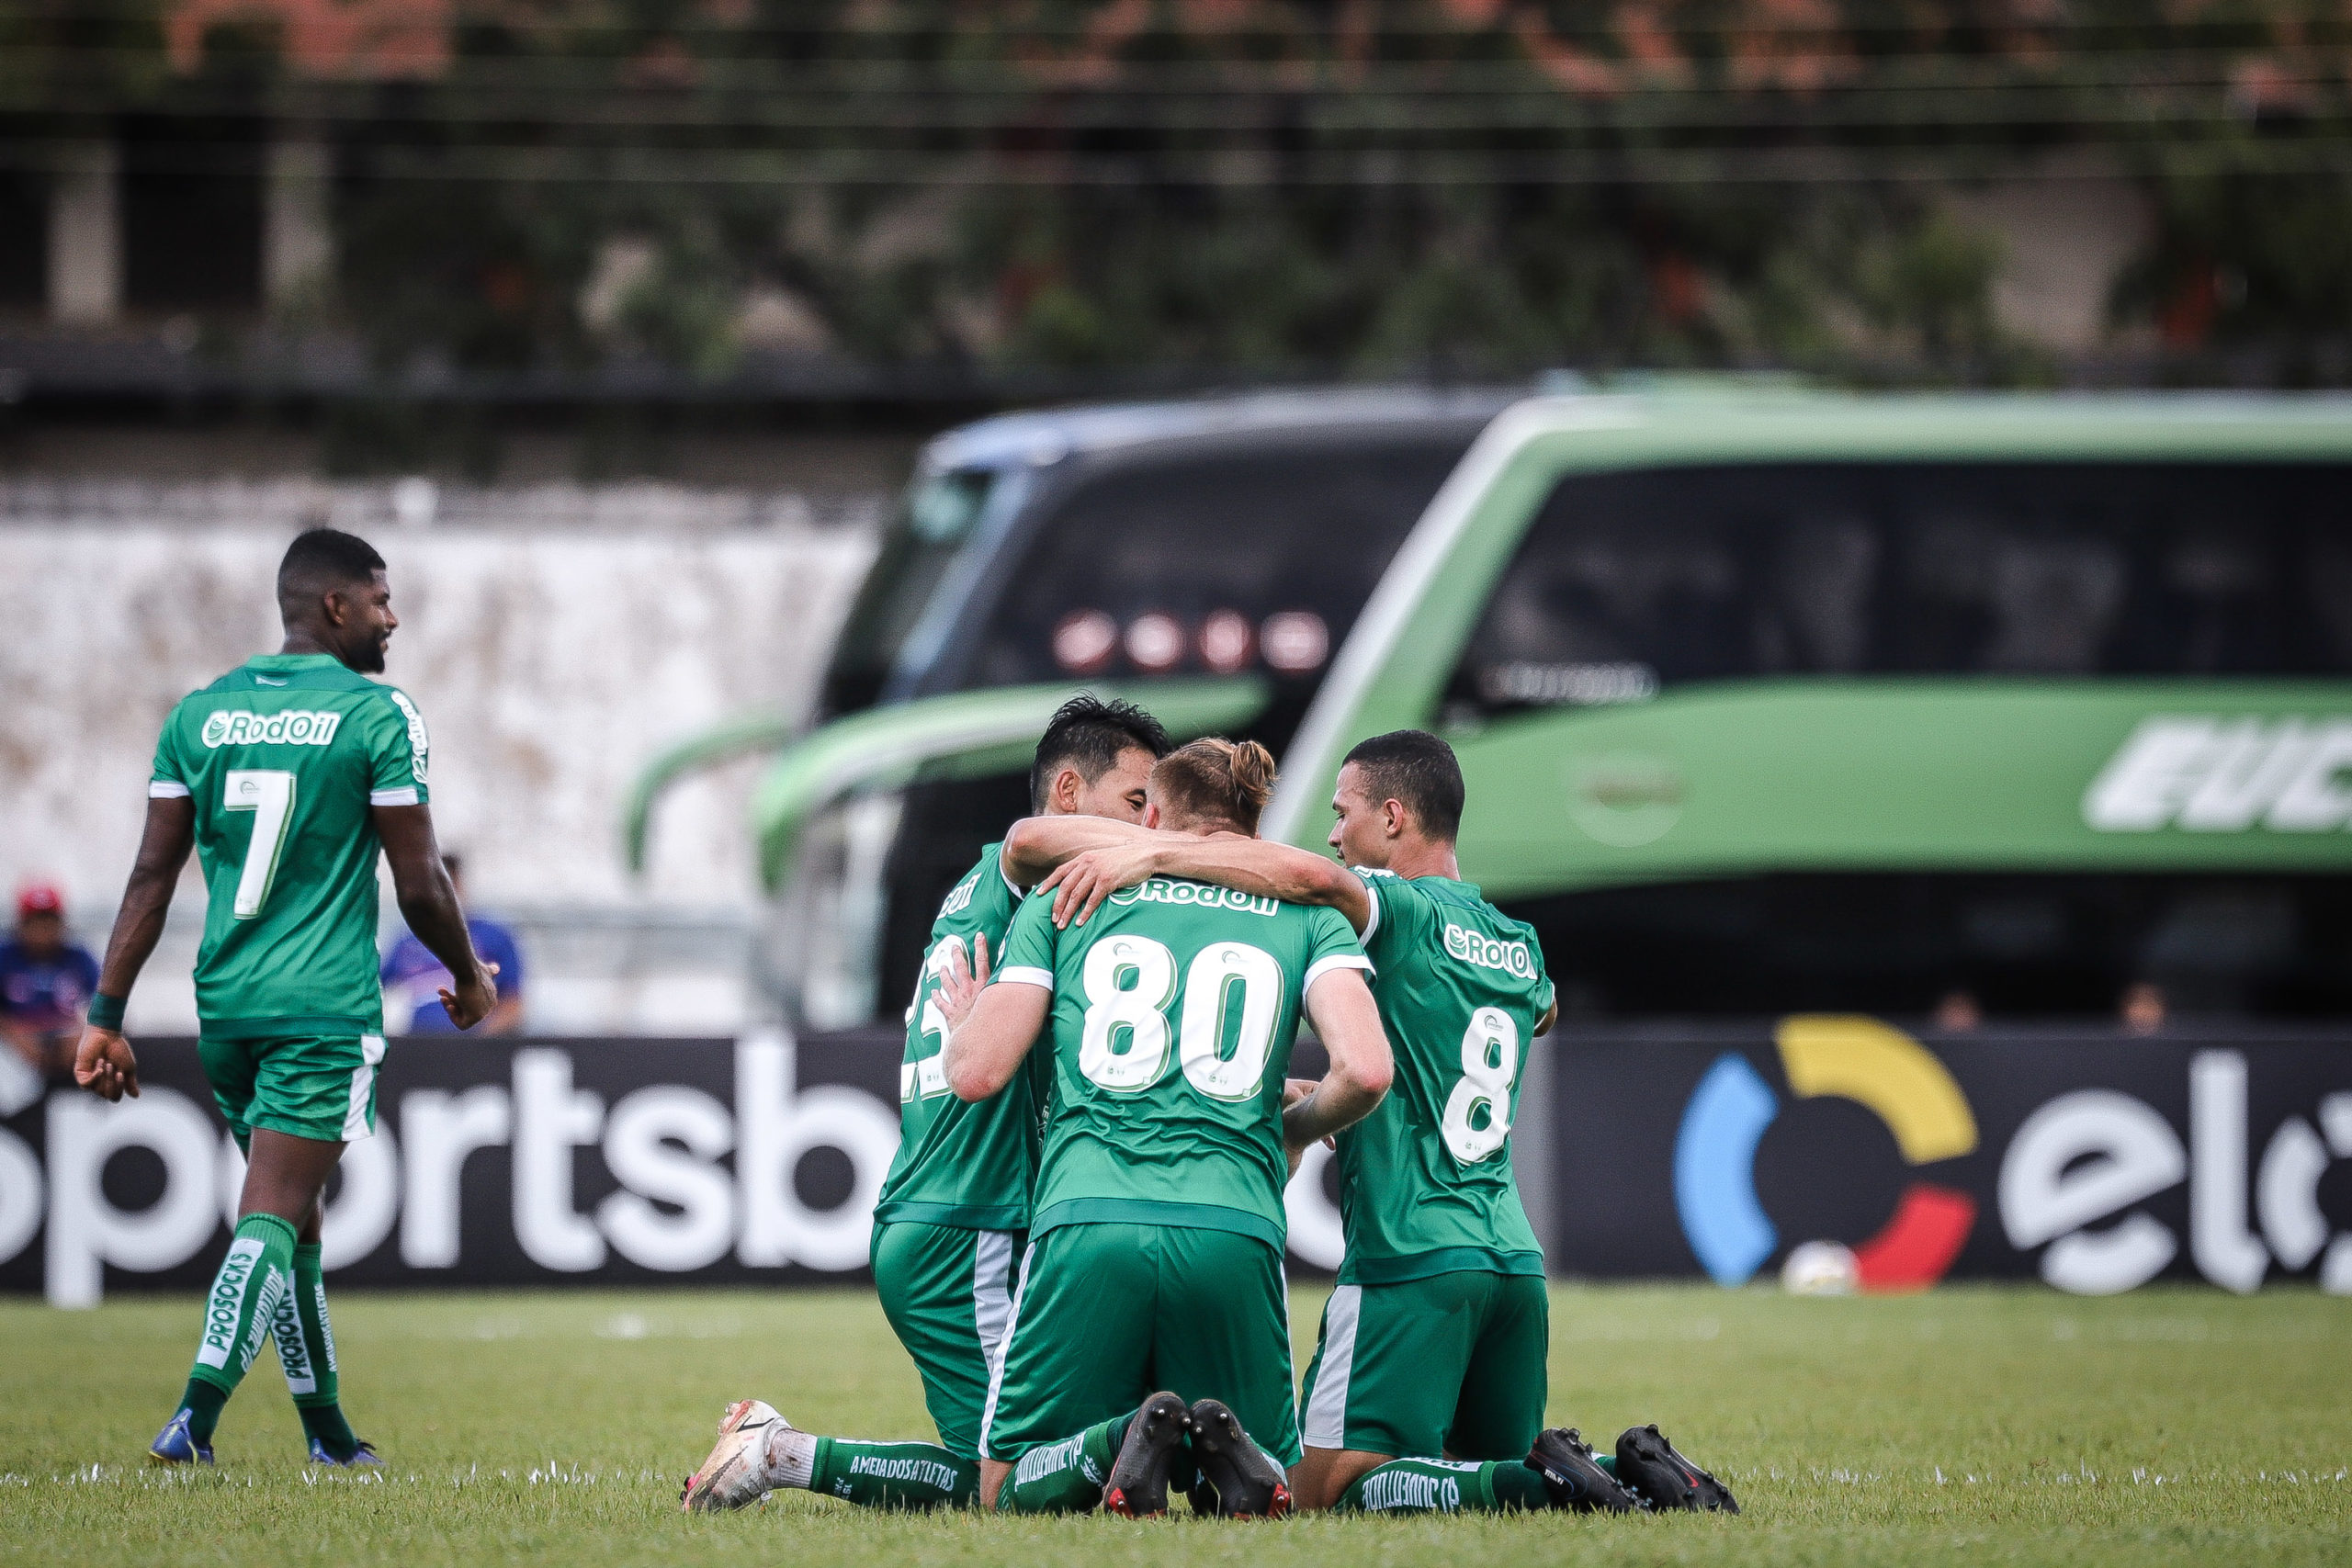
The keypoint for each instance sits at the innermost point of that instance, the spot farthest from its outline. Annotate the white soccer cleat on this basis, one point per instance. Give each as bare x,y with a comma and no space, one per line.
735,1476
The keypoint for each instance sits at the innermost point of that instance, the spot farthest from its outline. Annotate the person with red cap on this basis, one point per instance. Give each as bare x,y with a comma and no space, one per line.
46,982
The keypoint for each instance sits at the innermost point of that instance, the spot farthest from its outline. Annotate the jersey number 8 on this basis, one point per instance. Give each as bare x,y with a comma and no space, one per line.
1477,1113
1230,989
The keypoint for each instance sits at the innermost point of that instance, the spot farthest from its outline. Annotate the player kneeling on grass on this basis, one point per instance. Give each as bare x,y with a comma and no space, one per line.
1155,1257
954,1208
287,775
1433,1346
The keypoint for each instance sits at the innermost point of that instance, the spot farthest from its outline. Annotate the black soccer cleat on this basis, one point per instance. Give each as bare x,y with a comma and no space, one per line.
1138,1484
1239,1479
1573,1477
1648,1464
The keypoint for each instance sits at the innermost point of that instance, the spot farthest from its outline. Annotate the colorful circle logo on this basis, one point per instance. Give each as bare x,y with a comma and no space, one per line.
1857,1058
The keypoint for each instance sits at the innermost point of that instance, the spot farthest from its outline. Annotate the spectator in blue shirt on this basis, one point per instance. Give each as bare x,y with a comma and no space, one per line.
46,983
413,978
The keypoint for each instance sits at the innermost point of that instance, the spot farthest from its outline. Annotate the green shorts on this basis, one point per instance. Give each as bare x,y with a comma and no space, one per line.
309,1086
1109,1315
1450,1366
948,1295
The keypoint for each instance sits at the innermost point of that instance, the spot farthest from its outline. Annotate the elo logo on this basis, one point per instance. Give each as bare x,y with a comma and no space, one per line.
1860,1059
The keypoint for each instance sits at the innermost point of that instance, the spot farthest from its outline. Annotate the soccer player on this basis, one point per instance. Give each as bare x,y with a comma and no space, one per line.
1155,1253
288,776
1433,1344
952,1210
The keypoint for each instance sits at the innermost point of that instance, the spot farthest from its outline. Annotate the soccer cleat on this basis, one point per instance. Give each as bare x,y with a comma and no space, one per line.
172,1445
1138,1484
1648,1464
1239,1479
1574,1477
735,1476
362,1458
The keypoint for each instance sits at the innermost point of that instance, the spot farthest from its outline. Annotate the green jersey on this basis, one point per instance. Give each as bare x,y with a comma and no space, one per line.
1174,1013
1425,1181
958,1164
283,756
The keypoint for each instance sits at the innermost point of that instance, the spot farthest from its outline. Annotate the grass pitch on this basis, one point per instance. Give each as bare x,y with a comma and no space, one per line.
1972,1425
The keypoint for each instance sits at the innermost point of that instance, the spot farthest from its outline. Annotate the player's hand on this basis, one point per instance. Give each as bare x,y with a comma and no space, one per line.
1295,1090
473,999
960,984
105,1066
1083,881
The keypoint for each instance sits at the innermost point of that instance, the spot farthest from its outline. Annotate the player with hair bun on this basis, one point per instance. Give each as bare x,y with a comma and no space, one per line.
1151,1344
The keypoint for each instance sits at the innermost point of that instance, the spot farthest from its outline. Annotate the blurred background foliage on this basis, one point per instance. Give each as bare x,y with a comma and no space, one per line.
1253,187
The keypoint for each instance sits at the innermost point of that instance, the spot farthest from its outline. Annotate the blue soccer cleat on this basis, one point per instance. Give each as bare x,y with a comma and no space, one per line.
365,1456
173,1445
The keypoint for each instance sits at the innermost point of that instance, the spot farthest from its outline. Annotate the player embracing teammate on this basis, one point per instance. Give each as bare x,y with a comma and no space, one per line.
1164,977
1429,1385
953,1216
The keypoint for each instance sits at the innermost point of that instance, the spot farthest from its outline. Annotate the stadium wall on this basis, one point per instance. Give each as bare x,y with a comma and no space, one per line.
2092,1164
554,638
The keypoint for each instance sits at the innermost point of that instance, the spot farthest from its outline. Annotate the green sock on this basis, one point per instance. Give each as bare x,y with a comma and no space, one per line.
254,1278
1064,1477
202,1400
306,1354
893,1475
1446,1486
1607,1462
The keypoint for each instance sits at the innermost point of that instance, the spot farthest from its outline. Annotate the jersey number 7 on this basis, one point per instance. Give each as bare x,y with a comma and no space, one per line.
268,794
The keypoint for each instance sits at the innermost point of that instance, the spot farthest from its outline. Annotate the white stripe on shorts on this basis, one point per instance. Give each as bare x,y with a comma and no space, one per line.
1326,1425
992,1294
1004,1348
363,1088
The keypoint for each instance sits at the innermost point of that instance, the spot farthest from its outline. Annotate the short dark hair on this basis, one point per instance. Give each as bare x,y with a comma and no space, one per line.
322,559
1088,733
1416,767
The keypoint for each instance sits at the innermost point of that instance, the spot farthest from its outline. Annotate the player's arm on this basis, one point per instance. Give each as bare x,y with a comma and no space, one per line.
1340,1006
104,1061
1036,845
1544,1025
429,904
989,1027
1084,878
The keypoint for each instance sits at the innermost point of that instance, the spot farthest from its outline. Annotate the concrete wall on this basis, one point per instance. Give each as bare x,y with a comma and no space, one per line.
554,639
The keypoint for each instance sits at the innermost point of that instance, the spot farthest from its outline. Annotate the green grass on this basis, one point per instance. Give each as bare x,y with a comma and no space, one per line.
1969,1426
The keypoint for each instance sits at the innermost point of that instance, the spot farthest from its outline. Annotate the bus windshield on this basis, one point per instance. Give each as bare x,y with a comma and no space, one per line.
1629,583
1211,564
932,523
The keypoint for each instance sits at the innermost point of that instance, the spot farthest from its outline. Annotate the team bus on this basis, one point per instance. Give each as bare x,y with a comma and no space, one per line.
1771,700
1776,701
1211,552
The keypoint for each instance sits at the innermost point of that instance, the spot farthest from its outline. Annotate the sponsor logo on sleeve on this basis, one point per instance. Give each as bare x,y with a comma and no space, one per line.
1489,953
959,897
295,726
419,744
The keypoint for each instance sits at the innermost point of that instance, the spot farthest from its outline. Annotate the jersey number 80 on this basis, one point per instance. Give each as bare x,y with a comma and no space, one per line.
1231,989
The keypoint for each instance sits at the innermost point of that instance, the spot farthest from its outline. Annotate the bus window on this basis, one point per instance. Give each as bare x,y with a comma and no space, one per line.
932,523
1627,583
1208,565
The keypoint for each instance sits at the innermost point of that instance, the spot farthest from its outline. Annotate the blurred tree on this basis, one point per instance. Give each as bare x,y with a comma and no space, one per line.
1198,187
